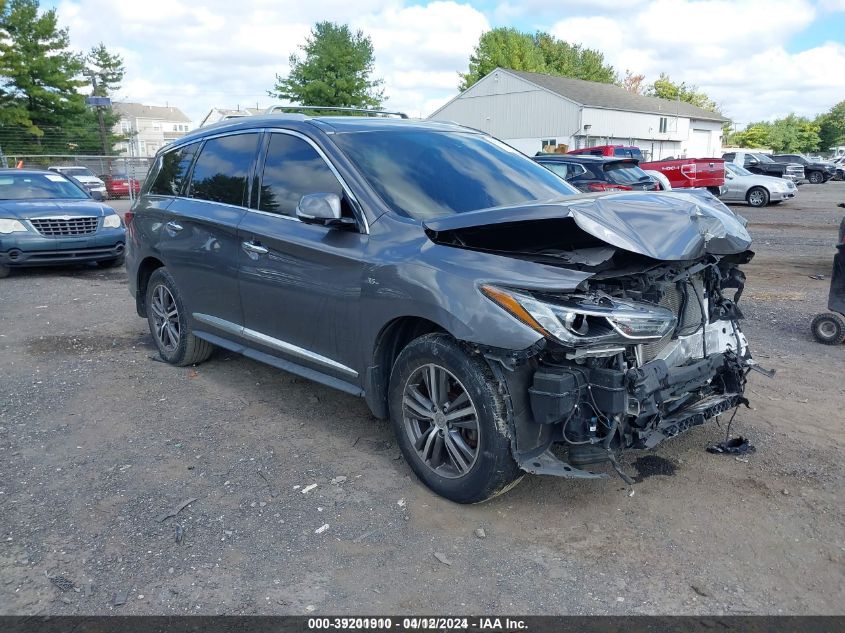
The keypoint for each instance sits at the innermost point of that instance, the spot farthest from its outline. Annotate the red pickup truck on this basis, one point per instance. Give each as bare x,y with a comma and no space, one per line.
682,173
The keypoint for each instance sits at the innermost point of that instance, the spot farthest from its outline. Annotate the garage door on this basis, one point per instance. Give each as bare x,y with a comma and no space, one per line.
699,144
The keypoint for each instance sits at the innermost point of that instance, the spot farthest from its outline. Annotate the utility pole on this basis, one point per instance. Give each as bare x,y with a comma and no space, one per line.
103,137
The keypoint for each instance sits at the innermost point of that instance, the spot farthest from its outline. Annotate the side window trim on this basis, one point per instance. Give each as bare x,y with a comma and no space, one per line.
360,217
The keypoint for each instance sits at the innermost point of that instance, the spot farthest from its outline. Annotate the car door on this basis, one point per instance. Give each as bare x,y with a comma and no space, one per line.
199,241
300,283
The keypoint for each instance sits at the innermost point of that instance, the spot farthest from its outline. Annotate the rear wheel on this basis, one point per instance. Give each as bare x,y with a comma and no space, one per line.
757,197
450,420
168,321
829,328
815,177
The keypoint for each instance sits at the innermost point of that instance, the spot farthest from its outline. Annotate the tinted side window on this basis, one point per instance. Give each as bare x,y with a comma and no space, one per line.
292,169
174,167
222,168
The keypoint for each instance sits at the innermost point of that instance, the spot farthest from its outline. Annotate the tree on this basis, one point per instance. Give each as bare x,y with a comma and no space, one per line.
38,78
335,71
832,127
665,88
106,71
503,48
539,53
793,134
755,135
633,83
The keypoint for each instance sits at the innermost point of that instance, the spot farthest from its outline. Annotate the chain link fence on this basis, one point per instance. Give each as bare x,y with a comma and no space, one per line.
133,167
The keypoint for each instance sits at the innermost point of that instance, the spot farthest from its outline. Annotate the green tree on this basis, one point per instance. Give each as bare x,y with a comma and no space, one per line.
665,88
106,71
793,134
540,53
573,60
38,79
503,48
336,70
755,135
832,127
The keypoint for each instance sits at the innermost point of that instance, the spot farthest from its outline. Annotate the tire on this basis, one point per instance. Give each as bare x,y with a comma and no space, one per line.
816,177
829,328
757,197
5,271
474,464
112,263
172,334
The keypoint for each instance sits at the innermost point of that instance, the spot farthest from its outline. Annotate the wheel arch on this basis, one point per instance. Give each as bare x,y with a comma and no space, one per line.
393,337
145,270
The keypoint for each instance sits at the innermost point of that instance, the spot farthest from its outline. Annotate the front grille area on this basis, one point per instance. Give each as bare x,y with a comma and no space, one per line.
54,227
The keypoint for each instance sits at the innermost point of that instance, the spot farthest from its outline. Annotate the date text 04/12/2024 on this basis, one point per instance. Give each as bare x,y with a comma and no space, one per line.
419,623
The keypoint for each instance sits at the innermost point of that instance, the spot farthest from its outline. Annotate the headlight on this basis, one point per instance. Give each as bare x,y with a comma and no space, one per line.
580,321
11,226
111,221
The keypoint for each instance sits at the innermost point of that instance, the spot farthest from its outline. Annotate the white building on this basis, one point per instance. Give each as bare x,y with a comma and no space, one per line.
531,110
148,128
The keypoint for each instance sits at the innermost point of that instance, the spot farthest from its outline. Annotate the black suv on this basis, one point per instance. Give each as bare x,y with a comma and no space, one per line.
593,173
502,324
816,173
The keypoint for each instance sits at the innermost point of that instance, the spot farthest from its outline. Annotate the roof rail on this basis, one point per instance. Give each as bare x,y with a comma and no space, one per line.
364,111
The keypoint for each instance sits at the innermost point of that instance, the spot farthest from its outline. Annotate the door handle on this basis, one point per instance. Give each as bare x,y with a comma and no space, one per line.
174,226
252,247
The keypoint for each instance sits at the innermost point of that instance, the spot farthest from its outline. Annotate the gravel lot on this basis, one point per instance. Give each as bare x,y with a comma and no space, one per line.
99,443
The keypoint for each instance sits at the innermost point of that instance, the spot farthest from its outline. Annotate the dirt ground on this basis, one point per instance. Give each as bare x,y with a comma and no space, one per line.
99,443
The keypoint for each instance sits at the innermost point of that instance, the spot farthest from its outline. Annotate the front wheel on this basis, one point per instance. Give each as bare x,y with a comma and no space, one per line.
829,328
757,197
169,326
450,420
816,177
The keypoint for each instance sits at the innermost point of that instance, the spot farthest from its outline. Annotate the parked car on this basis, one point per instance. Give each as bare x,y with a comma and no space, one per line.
618,151
765,166
452,282
756,190
117,185
685,173
816,172
839,168
83,175
46,219
591,173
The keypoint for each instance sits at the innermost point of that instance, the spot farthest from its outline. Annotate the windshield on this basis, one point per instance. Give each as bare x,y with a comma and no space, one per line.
736,170
628,152
38,187
625,173
75,171
423,174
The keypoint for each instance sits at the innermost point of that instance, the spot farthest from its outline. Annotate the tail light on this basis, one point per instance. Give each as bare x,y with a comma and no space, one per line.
689,170
607,186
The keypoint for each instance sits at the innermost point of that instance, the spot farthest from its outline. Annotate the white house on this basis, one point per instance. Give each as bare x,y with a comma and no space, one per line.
218,114
148,128
532,110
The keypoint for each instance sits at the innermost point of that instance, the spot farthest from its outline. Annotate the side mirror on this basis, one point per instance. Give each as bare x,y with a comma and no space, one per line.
98,196
321,208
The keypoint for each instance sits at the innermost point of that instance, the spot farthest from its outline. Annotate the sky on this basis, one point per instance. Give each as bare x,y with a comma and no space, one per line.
759,59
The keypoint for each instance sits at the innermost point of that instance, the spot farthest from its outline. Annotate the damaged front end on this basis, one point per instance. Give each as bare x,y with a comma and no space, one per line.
647,346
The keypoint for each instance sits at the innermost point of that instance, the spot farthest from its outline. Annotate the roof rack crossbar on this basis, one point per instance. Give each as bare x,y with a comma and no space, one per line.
365,111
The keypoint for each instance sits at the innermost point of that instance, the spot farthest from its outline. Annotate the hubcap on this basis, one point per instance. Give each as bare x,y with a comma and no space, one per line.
827,329
441,421
756,198
165,319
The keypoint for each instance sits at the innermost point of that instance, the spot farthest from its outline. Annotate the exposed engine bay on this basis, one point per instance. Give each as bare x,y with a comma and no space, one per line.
642,350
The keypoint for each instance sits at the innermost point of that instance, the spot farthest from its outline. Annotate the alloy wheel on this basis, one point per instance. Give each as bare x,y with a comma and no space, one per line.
441,421
755,198
165,318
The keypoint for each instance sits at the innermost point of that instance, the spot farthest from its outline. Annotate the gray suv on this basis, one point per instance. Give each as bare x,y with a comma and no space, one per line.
501,323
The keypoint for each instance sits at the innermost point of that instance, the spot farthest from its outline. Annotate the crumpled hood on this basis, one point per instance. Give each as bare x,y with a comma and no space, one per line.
668,226
26,209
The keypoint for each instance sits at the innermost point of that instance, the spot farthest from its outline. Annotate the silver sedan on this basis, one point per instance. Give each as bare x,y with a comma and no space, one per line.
758,191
